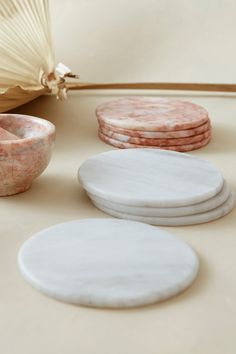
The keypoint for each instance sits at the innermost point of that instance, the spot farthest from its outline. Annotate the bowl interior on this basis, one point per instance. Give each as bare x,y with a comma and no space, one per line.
26,126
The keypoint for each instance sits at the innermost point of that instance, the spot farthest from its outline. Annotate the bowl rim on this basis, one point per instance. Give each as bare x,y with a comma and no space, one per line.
51,129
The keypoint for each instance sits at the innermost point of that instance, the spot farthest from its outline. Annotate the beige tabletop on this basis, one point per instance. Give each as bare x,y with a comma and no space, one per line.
202,320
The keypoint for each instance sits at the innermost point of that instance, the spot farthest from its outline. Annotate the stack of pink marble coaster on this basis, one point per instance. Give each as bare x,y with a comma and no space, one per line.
162,123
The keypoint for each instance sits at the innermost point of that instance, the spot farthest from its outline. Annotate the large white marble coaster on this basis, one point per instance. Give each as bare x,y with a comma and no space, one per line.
208,216
202,207
107,263
150,177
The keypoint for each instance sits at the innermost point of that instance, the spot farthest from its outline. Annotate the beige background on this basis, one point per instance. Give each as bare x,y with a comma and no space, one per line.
113,41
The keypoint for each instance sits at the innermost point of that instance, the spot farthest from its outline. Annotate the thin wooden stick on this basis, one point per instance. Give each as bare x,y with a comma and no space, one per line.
153,86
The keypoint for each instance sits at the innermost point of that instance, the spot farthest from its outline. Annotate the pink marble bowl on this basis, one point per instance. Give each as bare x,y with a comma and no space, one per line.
25,150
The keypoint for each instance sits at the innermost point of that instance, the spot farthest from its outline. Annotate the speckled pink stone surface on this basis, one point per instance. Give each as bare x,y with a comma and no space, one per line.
151,114
155,142
24,158
158,134
5,135
180,148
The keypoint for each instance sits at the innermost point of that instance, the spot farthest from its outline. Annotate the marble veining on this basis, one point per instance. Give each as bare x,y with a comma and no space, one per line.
152,114
25,150
150,177
181,148
6,135
198,208
155,142
107,263
158,134
200,218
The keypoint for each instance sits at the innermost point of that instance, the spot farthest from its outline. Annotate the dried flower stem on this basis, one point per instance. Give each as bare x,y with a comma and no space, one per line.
153,86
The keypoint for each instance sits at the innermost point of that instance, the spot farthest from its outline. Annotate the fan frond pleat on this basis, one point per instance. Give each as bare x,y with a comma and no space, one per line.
25,43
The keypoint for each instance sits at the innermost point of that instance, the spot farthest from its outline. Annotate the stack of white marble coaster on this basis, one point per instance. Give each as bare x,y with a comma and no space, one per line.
107,263
156,186
163,123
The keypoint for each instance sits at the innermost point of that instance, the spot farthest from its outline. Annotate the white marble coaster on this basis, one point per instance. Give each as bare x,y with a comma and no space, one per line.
150,177
107,263
211,215
202,207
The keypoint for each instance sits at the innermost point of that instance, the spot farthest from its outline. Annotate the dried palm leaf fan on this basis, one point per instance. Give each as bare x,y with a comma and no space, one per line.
27,64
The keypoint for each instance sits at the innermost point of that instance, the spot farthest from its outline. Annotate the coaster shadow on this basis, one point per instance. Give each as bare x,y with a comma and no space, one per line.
53,193
223,139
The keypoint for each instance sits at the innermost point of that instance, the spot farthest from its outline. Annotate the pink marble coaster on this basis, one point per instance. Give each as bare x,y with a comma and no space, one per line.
151,114
158,134
155,142
180,148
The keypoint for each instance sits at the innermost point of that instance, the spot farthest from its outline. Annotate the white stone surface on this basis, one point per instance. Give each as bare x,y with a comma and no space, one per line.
107,263
211,215
150,177
202,207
